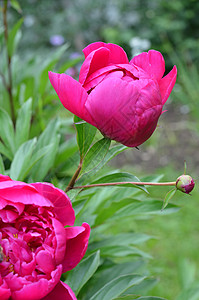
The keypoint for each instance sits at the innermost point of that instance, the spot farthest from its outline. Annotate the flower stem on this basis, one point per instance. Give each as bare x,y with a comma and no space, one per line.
8,86
73,179
121,183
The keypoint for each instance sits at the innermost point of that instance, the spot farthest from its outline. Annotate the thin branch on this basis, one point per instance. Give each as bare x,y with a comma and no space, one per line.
74,178
122,183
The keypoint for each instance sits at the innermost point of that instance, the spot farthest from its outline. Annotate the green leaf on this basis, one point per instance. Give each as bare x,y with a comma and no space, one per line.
168,197
7,130
5,151
122,251
132,297
2,169
48,138
121,177
150,298
23,123
16,6
66,150
70,64
77,278
119,239
43,80
21,161
12,37
116,287
95,155
85,135
143,287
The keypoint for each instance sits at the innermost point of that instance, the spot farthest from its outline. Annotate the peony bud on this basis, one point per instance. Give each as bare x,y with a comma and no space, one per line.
185,184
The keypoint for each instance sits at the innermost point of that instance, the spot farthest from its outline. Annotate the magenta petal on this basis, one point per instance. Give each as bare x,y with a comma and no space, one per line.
45,261
4,178
71,94
60,235
62,204
151,62
61,292
4,290
76,245
94,61
167,83
117,54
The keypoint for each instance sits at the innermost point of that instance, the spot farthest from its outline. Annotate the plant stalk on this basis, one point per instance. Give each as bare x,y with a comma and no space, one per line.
73,179
121,183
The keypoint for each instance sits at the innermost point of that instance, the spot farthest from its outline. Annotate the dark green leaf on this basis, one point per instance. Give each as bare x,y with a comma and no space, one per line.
77,278
85,135
66,150
95,155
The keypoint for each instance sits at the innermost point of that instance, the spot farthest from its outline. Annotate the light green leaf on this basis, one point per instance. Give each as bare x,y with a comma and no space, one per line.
122,251
7,130
116,287
65,151
21,161
23,123
133,297
16,6
70,64
85,135
168,197
150,298
121,177
119,239
77,278
12,37
2,169
5,151
49,65
95,155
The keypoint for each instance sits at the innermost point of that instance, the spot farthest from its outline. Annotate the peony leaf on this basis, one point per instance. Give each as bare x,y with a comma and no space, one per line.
117,286
13,37
21,161
168,197
7,131
2,169
77,278
85,135
23,123
95,155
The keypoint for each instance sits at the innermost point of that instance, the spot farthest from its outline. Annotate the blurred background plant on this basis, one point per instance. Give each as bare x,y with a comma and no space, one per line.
40,144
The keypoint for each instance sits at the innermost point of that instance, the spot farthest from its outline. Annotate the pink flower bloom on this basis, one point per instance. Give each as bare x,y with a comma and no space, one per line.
123,99
36,246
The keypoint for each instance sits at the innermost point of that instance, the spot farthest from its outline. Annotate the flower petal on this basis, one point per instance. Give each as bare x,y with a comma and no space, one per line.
94,61
167,83
76,245
117,54
62,204
151,62
61,291
4,178
71,94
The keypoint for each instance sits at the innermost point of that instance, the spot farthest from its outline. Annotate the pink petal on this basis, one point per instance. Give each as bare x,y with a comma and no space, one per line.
20,192
151,62
62,291
38,289
45,261
4,178
60,235
94,61
76,245
61,202
167,83
71,94
4,290
117,54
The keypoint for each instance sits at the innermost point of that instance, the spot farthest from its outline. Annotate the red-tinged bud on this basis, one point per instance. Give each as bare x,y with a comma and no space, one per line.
185,183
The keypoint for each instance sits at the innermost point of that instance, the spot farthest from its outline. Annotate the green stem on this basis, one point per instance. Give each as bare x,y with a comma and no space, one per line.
121,183
9,60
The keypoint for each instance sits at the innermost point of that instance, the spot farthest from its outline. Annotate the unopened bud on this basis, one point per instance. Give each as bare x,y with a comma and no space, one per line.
185,183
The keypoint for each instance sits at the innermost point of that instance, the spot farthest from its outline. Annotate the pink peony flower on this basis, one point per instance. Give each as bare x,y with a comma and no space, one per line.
123,100
35,247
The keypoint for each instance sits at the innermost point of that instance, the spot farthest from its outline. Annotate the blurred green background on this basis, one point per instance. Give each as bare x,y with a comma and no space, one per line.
171,27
